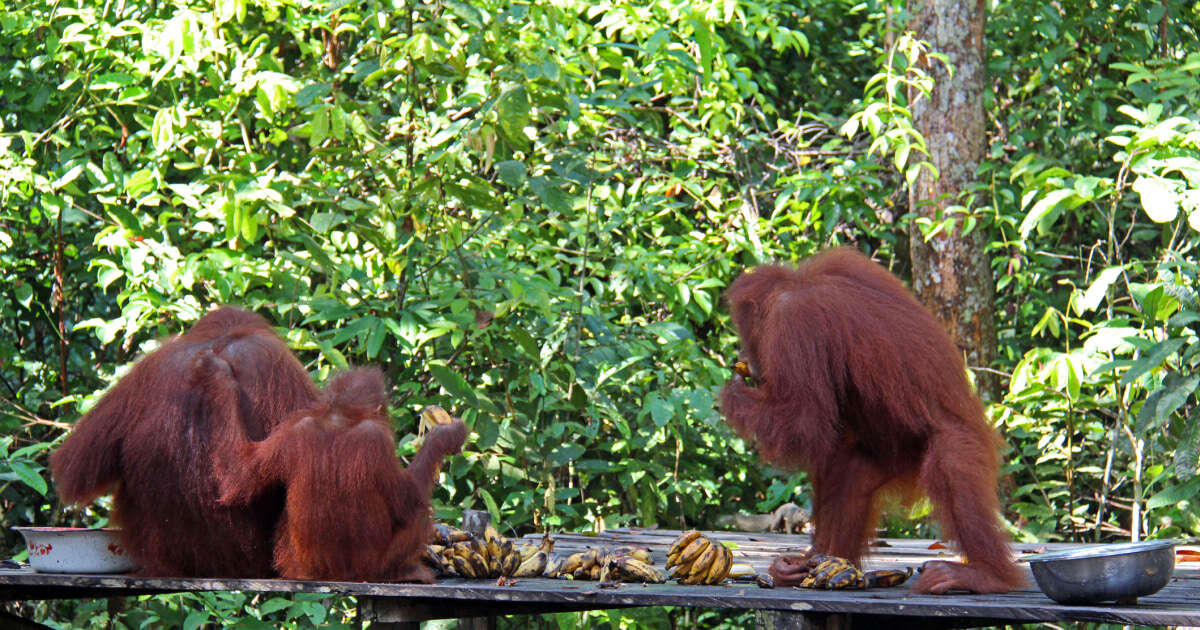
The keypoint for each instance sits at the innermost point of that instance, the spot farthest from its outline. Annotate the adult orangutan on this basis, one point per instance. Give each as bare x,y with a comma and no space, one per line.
854,381
152,438
352,513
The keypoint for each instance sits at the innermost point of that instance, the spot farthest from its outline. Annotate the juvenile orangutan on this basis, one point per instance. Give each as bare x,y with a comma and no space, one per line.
854,381
152,438
352,512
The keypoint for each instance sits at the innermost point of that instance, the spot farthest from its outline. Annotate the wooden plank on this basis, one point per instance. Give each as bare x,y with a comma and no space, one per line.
544,594
1177,604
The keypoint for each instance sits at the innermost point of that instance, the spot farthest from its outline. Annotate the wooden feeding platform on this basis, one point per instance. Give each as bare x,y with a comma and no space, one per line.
405,605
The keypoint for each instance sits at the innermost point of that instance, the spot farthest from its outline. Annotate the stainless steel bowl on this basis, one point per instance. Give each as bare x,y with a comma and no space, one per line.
1122,572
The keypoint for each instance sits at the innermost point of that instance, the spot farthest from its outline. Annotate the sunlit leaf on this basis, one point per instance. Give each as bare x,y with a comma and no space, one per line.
1158,196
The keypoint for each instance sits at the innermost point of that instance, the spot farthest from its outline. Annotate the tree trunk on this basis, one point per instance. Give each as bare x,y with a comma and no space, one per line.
951,273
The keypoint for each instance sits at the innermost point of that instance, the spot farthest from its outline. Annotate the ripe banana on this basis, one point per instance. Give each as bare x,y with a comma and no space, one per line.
572,562
720,565
741,570
432,558
446,535
432,416
510,564
630,569
632,551
681,571
463,567
694,550
480,564
554,565
478,546
682,541
704,562
887,577
533,566
527,550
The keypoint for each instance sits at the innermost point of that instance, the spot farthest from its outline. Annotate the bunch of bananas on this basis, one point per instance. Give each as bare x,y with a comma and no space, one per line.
456,552
831,572
694,559
626,563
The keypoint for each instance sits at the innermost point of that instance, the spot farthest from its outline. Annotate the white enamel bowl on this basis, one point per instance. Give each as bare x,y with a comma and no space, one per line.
75,550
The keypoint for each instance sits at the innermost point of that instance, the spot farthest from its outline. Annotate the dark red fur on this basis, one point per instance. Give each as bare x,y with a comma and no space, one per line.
151,441
352,511
859,385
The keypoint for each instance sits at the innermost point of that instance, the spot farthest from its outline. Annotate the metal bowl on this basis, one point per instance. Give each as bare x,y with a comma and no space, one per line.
1122,572
75,550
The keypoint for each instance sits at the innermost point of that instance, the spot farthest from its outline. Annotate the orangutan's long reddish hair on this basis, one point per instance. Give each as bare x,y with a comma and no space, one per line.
859,385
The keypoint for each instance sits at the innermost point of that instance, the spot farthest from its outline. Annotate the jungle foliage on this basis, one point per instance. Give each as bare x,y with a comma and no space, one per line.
526,213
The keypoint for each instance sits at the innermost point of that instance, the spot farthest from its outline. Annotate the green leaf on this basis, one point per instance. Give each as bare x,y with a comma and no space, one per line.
1174,494
71,175
162,133
456,385
125,218
24,294
1187,452
1175,390
248,226
274,604
565,453
703,34
250,623
109,275
513,110
1152,360
195,619
1099,288
1041,210
316,613
29,476
511,172
140,183
111,81
901,157
375,337
322,222
660,410
320,127
468,13
525,340
492,508
1159,199
318,253
551,195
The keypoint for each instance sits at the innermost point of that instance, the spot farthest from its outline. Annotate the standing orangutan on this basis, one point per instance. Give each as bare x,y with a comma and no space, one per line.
855,382
151,441
352,513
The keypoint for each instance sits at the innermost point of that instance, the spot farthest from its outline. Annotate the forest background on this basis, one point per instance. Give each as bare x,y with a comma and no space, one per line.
527,213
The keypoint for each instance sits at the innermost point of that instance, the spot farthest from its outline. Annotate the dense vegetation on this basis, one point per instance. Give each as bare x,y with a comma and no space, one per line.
527,212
